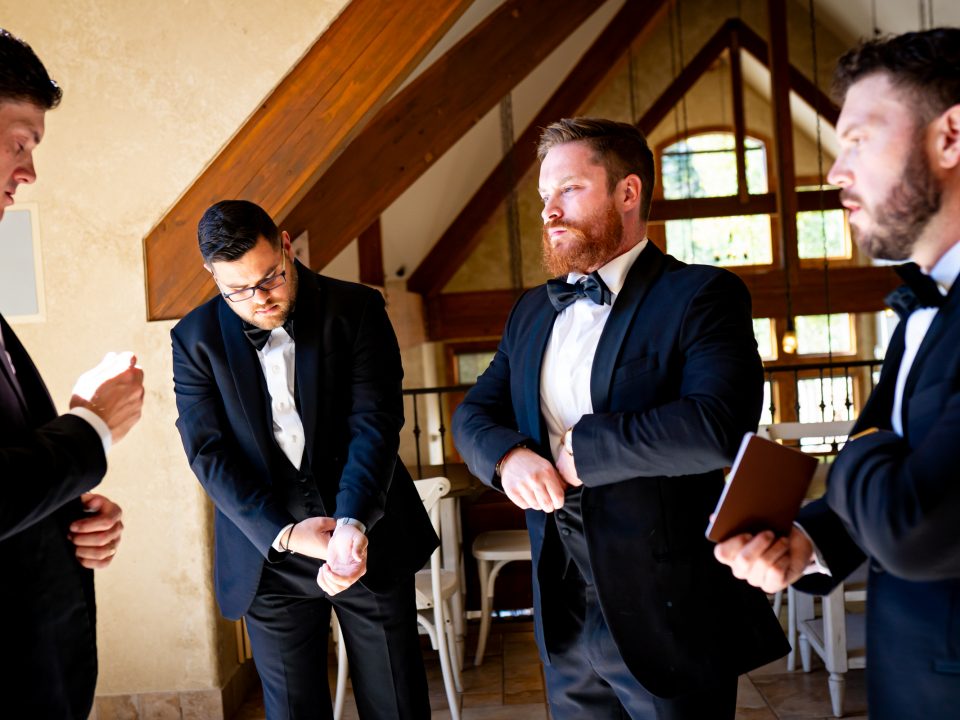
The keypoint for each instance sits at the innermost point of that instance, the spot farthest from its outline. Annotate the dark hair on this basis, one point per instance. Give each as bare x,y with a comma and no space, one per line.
620,147
23,77
231,228
925,65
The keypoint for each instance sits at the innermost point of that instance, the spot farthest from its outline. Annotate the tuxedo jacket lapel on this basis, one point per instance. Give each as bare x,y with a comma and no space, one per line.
533,362
641,277
247,377
29,387
309,351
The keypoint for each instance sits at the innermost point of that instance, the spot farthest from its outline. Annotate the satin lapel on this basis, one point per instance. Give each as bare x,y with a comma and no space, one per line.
532,364
879,406
247,378
37,404
644,273
307,340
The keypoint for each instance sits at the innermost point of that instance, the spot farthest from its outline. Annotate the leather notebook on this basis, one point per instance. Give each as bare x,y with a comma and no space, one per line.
767,484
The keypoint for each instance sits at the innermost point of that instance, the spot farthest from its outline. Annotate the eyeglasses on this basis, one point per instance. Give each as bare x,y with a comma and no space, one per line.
274,281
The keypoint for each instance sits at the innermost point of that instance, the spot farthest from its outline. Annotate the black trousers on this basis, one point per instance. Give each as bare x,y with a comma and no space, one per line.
587,677
289,622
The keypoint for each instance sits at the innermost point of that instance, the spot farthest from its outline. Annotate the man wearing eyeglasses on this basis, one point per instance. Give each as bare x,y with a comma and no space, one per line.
288,389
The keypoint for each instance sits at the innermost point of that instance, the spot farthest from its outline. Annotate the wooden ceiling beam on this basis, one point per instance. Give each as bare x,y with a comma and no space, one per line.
766,204
633,21
427,117
297,132
452,316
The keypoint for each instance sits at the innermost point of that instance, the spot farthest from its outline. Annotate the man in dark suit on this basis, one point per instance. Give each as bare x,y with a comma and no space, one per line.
288,388
53,531
608,412
893,494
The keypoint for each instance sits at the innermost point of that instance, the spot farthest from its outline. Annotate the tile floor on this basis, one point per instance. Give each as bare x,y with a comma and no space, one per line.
509,686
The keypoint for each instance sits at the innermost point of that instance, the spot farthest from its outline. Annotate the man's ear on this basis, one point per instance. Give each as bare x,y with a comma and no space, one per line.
628,192
947,142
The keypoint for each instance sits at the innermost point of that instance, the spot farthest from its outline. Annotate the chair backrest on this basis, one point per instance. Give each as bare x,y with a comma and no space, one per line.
798,431
432,490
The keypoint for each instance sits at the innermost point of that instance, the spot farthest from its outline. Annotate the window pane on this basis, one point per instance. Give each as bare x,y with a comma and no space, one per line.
813,233
706,166
471,365
818,336
763,332
738,240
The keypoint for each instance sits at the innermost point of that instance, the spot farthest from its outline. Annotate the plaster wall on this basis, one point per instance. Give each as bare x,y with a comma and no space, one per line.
151,93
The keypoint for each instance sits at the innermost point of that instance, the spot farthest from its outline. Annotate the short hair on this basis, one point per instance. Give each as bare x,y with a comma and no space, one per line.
925,65
620,147
231,228
23,77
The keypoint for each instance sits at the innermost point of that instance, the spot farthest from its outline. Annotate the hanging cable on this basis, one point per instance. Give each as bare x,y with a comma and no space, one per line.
873,15
512,206
634,119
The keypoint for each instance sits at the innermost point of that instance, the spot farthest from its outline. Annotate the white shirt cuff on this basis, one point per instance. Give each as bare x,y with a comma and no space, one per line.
817,565
276,542
103,430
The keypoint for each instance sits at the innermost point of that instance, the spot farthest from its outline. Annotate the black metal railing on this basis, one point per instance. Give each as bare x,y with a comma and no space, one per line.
801,392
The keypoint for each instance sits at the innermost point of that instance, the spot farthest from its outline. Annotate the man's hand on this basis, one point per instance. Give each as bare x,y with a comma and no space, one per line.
765,561
346,560
97,535
114,391
568,469
531,482
311,537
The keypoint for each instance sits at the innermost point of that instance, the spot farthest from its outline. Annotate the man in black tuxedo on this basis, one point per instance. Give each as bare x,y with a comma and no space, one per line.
53,531
288,388
608,412
893,494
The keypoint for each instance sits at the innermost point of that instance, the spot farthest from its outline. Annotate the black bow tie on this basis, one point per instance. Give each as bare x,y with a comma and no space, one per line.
920,291
258,336
592,286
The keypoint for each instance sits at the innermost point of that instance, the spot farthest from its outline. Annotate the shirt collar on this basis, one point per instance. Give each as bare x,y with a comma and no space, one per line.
614,273
947,268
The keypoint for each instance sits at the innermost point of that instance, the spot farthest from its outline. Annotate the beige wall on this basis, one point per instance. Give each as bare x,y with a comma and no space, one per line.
151,92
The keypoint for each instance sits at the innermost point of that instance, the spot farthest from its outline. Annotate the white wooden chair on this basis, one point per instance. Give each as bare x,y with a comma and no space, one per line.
343,667
493,550
434,588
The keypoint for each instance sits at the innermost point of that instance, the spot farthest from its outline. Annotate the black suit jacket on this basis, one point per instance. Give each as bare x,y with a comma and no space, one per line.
46,596
676,381
348,377
896,501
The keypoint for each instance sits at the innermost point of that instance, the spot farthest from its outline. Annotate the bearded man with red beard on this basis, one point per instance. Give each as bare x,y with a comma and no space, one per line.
619,392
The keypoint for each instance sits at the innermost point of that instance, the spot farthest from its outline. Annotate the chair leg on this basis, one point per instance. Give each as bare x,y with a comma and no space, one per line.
452,644
805,659
443,650
837,687
486,602
792,629
342,672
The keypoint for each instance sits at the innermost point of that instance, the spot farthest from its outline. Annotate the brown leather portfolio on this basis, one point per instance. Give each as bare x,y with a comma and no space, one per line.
766,486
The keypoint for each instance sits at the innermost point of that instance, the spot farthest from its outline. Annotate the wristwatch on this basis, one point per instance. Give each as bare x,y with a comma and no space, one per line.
353,522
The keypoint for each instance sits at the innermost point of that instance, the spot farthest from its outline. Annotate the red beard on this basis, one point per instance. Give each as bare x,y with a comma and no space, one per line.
595,242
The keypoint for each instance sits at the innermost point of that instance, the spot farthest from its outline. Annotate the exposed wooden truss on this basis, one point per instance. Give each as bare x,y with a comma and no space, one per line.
298,131
427,117
461,237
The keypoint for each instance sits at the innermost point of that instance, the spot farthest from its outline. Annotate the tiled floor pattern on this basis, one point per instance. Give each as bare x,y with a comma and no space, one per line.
509,686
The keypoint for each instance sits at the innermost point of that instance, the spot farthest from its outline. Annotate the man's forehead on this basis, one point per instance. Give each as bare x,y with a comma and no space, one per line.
873,100
569,161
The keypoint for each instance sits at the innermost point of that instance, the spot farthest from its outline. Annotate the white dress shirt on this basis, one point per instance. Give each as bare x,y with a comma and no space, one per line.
945,274
94,420
278,362
568,360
